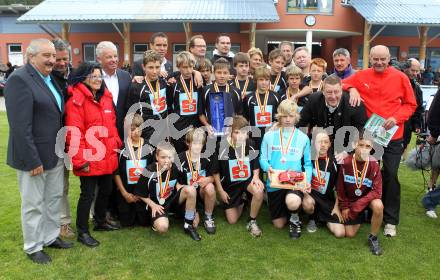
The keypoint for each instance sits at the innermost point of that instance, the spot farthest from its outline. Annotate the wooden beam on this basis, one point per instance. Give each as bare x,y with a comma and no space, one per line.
252,35
423,43
377,33
187,26
118,30
65,31
127,43
366,50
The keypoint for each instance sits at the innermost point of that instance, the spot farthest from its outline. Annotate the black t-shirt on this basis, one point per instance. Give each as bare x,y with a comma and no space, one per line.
181,105
129,170
231,172
253,114
301,101
205,169
239,85
141,93
326,190
281,83
148,184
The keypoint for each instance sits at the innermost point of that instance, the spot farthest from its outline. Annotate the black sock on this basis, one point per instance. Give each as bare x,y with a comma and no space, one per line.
372,237
251,219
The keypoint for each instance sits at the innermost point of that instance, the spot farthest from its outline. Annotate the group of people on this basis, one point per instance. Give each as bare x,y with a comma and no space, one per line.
224,130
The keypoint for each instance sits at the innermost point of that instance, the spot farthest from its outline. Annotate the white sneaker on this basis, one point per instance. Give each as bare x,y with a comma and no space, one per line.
389,230
253,228
311,226
431,214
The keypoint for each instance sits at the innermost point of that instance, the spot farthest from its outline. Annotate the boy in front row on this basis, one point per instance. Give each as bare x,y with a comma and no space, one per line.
198,173
359,186
288,149
238,173
163,189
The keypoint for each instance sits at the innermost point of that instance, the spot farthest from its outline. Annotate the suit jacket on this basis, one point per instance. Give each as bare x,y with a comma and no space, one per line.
124,82
314,114
34,120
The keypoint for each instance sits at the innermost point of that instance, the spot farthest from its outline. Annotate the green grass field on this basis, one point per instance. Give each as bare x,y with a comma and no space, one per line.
230,254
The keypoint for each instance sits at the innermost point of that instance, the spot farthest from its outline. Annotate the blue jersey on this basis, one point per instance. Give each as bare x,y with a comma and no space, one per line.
299,148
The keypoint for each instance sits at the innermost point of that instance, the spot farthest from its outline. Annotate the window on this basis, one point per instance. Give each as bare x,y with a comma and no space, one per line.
138,51
89,52
394,52
15,54
413,52
310,6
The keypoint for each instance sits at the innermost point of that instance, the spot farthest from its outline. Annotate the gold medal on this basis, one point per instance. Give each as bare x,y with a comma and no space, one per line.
218,90
194,172
156,93
136,161
318,171
189,93
264,105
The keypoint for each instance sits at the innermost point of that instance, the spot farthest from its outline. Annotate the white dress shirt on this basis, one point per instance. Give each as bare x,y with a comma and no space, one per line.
112,84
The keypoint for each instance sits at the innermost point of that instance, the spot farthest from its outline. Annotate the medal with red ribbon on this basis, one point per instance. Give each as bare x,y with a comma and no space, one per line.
358,191
321,179
245,86
285,149
163,190
189,93
274,85
194,171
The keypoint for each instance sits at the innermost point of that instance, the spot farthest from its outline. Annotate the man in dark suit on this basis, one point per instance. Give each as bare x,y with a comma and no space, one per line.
116,80
331,108
158,43
34,106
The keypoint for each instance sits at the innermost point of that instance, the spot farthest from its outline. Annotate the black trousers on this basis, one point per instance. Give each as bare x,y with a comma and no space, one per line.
390,182
88,185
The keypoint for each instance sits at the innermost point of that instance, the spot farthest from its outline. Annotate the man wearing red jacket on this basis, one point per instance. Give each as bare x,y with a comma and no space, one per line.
386,92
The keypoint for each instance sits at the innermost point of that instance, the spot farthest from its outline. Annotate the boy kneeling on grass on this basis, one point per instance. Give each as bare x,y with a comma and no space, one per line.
198,173
238,173
162,188
286,148
359,186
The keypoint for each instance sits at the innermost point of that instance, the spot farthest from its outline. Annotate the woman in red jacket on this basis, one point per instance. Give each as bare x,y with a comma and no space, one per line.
92,142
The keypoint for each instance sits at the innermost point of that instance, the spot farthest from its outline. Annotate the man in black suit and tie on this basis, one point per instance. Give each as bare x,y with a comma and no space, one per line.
116,80
118,83
34,105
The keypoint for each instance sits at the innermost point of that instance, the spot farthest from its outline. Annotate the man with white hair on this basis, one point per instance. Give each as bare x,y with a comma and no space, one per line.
35,107
116,80
341,61
286,48
386,92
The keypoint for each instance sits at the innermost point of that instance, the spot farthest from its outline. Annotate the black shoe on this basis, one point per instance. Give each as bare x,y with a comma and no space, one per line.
191,231
88,240
60,244
295,229
374,246
209,225
40,257
105,227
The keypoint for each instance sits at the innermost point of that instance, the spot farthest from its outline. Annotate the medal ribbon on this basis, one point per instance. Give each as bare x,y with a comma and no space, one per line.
132,154
163,190
288,93
318,171
266,97
319,87
245,86
154,92
285,150
277,79
363,173
240,160
217,89
194,173
189,93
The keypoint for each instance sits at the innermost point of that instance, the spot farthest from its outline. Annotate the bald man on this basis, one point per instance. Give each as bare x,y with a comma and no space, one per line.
386,92
415,123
